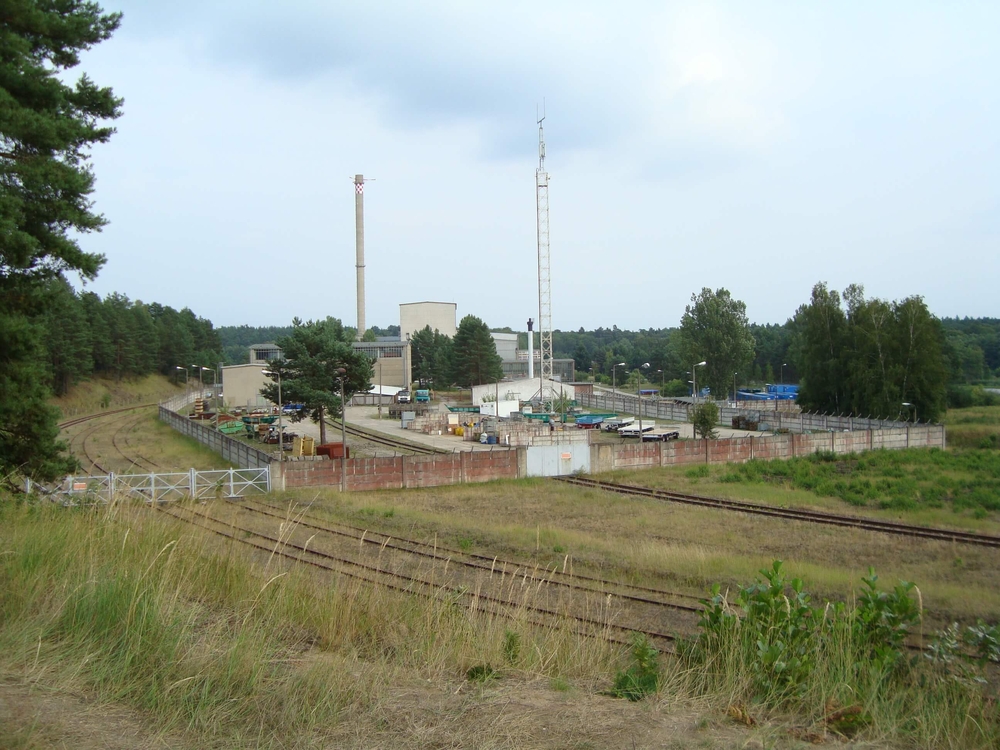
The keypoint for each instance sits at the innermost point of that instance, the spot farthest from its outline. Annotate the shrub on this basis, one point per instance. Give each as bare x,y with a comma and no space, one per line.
642,677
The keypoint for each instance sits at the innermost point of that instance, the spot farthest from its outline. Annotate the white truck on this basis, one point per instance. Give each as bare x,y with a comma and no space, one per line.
615,423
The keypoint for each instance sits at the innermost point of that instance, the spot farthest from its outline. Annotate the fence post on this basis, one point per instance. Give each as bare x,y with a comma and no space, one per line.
152,488
111,487
193,481
231,493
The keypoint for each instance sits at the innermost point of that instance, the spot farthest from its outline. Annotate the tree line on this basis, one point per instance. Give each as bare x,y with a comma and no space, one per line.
85,335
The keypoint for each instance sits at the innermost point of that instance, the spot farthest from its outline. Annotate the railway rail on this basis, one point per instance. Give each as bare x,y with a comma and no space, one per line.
806,516
507,596
572,581
388,441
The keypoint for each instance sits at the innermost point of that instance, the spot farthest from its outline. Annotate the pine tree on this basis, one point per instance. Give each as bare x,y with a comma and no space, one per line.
46,130
474,354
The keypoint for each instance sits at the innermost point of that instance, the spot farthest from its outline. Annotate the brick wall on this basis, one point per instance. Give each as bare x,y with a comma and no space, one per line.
403,471
607,457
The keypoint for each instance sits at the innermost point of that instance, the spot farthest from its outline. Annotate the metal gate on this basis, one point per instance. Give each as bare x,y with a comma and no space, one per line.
558,460
194,484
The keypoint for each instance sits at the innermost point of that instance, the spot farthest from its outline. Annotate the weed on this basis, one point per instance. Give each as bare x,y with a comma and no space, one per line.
511,647
480,673
697,472
642,677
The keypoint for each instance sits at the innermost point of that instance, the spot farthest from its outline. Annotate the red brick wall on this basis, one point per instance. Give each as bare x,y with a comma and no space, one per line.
405,471
738,450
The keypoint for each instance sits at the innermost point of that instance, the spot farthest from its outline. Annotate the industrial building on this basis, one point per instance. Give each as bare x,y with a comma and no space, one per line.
416,316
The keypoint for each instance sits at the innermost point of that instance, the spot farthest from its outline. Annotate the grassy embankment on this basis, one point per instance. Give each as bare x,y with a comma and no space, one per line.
206,639
101,394
974,427
215,646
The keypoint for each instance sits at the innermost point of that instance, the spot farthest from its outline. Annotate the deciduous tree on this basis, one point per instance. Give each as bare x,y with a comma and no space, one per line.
714,328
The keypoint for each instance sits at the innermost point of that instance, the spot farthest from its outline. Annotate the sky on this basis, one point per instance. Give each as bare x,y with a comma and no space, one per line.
757,146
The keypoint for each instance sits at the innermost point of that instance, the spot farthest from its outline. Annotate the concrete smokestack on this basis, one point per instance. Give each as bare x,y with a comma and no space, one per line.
531,349
359,229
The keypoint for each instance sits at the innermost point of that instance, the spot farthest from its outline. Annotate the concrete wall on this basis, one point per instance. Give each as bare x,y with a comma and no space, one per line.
401,471
440,316
609,457
680,411
234,451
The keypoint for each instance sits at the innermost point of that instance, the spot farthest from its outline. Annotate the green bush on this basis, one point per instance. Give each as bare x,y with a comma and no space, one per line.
642,677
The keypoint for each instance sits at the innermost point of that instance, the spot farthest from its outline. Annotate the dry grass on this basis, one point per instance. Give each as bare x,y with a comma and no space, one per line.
138,442
673,546
93,396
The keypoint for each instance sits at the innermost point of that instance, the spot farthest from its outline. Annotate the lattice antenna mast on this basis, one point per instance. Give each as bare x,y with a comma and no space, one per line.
544,267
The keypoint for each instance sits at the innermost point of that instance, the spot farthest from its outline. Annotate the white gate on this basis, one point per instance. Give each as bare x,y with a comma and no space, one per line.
157,487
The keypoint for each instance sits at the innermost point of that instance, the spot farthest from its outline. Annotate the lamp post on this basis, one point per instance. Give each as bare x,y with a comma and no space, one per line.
694,378
783,372
281,419
343,432
184,370
614,384
734,389
914,407
638,395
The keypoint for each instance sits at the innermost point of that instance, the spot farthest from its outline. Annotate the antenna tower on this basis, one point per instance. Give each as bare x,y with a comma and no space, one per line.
544,268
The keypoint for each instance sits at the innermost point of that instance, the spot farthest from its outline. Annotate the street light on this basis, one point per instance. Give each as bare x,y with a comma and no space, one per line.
914,407
694,379
281,420
343,431
734,390
614,383
783,372
638,395
184,370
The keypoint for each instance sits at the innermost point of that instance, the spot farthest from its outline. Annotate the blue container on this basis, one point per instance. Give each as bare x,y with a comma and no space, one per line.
492,440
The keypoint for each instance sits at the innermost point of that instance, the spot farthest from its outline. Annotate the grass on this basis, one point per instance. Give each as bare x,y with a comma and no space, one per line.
100,394
893,480
229,649
973,427
677,547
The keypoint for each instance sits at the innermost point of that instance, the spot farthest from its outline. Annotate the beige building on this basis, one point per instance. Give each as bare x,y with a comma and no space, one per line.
241,386
415,316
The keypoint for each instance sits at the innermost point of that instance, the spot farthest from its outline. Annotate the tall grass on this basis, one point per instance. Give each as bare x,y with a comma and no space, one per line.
204,639
843,668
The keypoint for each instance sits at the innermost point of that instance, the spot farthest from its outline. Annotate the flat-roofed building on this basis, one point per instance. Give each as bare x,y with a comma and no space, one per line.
440,316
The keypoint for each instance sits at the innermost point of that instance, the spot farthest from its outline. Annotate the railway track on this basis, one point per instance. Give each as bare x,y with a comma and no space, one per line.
499,592
573,581
81,440
806,516
390,442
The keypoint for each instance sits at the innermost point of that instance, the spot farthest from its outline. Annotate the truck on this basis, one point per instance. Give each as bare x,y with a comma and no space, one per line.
423,396
613,424
403,397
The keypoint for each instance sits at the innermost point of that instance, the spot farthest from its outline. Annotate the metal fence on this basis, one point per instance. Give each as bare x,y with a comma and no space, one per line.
243,455
678,411
87,490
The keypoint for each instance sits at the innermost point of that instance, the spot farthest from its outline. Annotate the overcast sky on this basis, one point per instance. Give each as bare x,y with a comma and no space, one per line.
756,146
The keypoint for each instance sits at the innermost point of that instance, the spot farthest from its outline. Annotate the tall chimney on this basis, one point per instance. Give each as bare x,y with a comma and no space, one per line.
531,349
359,225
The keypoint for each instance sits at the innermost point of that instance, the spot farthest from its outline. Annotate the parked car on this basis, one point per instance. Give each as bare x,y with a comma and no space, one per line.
403,397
